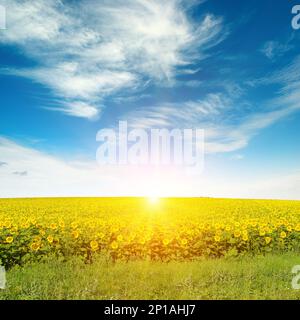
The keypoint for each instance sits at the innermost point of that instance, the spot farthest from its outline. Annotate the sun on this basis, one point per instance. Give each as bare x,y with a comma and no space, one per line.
153,200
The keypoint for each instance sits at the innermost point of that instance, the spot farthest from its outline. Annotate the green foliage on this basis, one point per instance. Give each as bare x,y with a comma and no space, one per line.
259,277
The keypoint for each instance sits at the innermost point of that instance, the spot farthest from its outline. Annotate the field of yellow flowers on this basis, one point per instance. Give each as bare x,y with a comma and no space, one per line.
134,229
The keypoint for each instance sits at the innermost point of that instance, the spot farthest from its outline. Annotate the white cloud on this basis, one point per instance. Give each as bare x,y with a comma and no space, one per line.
79,109
33,20
70,82
45,174
31,173
94,49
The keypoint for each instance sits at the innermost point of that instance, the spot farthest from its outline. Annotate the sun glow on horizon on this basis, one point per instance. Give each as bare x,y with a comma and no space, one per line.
153,200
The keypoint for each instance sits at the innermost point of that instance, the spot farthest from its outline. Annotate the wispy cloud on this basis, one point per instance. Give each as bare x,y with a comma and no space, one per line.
179,115
227,129
285,103
2,163
275,49
288,79
97,48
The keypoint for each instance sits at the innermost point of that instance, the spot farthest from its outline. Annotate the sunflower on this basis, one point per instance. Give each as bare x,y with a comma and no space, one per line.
282,235
120,237
35,246
262,233
217,238
75,234
142,241
9,239
53,226
166,242
237,234
101,235
114,245
245,237
183,242
268,240
94,245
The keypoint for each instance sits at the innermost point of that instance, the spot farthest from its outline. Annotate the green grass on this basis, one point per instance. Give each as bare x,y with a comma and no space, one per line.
266,277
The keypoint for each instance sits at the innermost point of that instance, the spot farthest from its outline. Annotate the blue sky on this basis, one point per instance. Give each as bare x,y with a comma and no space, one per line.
71,68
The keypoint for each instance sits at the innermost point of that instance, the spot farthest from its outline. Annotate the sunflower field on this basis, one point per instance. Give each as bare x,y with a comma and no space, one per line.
134,229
